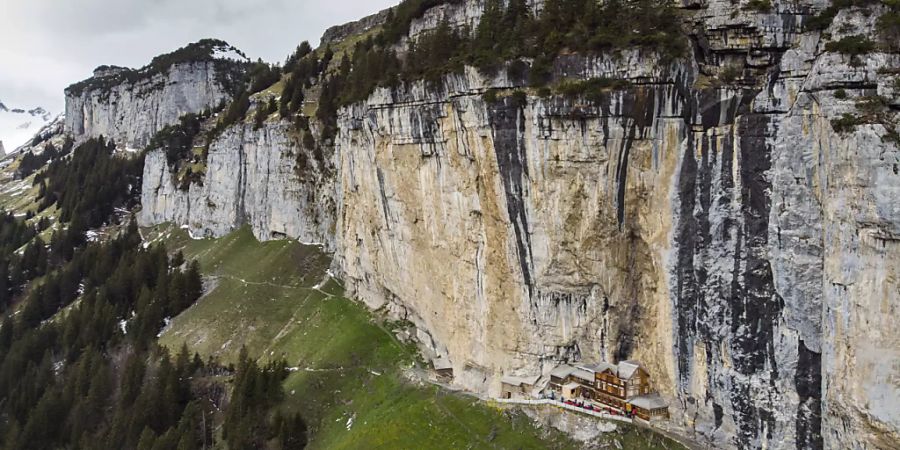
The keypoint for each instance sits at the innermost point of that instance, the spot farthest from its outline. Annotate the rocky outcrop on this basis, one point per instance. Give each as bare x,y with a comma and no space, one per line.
337,33
251,178
461,15
722,232
130,106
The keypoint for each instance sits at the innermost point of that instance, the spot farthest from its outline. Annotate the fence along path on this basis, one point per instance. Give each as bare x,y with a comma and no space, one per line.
547,401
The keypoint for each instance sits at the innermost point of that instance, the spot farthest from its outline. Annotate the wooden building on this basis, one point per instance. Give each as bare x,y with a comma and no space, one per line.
567,375
560,376
615,385
585,378
648,407
623,381
572,391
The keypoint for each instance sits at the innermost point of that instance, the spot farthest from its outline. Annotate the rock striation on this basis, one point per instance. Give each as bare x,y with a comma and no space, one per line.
251,178
726,234
691,227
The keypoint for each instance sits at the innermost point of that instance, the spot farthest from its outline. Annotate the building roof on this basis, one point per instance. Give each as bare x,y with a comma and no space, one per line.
624,370
571,386
650,401
628,368
513,381
562,371
603,366
583,374
519,381
441,364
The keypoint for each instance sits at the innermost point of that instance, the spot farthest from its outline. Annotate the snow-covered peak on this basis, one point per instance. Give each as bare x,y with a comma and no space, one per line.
18,125
228,52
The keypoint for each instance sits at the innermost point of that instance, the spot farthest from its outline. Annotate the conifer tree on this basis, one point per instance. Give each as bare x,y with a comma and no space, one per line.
147,440
193,282
132,380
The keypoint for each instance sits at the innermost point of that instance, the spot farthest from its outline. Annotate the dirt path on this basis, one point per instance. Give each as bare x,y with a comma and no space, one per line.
259,283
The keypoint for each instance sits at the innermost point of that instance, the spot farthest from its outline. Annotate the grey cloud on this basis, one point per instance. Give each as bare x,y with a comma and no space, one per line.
47,44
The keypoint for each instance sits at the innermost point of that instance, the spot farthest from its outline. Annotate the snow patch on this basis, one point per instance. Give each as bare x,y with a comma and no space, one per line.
190,233
229,53
166,322
17,133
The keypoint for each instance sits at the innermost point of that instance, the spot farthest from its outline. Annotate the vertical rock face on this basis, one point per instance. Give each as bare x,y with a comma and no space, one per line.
727,237
251,178
722,233
457,14
337,33
530,225
131,109
837,223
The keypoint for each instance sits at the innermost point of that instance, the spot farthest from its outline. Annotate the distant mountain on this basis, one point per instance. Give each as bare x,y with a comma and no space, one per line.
18,125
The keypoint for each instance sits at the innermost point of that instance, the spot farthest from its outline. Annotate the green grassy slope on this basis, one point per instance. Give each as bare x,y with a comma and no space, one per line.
16,195
20,197
351,376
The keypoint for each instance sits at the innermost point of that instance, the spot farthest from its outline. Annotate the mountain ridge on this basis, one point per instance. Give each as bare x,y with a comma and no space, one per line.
18,124
605,205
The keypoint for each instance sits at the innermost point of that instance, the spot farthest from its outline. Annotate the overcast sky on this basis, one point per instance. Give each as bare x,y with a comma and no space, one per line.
45,45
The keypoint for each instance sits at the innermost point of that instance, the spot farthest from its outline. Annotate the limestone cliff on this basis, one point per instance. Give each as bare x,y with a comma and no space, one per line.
130,106
727,237
733,233
251,178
